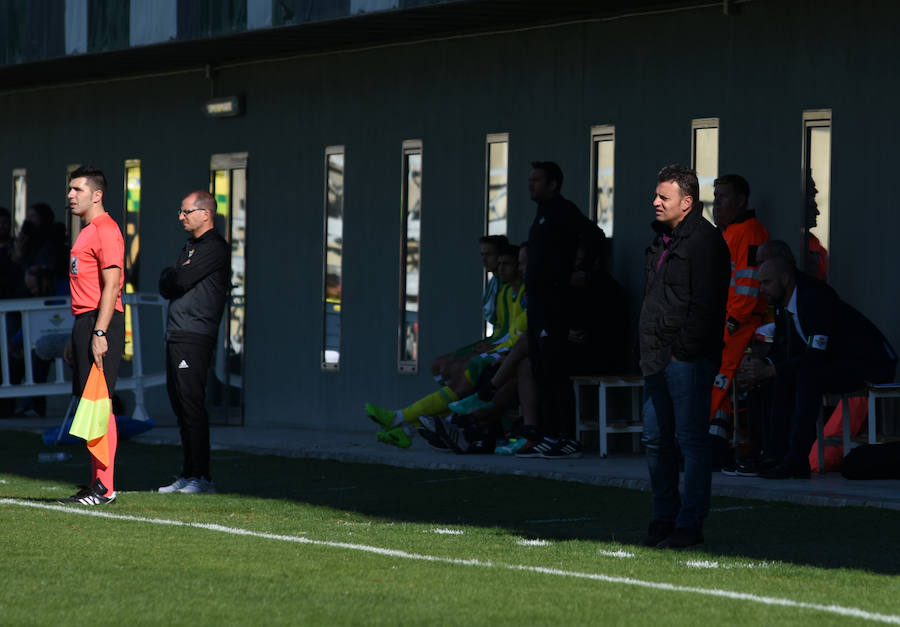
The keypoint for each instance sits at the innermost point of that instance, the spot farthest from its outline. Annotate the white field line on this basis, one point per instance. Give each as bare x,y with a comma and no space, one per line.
524,542
619,554
840,610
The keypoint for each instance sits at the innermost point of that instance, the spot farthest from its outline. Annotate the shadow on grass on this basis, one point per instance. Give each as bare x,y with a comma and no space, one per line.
825,537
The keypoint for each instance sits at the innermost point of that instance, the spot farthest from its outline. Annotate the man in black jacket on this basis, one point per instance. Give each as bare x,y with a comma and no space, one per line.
680,335
196,286
552,242
821,344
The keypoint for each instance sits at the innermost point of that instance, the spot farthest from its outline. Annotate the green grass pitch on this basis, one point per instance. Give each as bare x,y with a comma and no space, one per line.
311,542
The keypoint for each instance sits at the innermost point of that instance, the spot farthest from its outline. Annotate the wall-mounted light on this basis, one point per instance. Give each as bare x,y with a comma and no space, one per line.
227,107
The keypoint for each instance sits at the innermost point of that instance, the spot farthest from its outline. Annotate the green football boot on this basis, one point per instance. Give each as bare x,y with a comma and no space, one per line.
384,417
396,436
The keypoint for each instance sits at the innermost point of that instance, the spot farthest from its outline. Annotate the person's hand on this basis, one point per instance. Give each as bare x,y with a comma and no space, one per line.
753,370
99,348
67,353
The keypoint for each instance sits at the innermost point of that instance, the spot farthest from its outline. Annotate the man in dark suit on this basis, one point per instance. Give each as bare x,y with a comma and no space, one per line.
822,344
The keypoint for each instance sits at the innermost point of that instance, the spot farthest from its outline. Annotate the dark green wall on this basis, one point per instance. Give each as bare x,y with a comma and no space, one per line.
649,76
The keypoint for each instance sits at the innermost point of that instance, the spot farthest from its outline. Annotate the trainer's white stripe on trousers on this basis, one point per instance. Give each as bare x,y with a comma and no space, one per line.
840,610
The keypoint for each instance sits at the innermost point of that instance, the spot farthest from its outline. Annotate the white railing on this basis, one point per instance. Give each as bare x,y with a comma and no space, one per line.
51,319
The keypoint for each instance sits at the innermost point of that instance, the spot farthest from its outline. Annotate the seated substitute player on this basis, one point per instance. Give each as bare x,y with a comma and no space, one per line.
398,427
490,247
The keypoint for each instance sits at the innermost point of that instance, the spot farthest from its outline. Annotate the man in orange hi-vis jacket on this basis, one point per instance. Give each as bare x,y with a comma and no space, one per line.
744,234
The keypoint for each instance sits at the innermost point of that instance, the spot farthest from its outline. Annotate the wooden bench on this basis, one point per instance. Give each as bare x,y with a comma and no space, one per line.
605,424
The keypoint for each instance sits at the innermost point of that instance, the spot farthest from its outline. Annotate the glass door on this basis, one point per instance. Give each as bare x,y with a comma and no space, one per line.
228,183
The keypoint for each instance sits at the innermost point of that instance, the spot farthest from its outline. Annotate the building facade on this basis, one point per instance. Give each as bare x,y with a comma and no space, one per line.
372,142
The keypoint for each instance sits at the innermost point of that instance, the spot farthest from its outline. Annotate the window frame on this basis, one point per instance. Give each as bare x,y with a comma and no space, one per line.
601,133
814,118
329,152
409,147
18,208
494,138
698,124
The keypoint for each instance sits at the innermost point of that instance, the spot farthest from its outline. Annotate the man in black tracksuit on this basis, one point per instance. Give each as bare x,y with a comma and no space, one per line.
555,234
196,286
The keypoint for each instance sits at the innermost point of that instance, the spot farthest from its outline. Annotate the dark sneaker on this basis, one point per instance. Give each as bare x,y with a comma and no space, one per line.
535,448
786,471
453,436
730,469
564,449
93,495
682,538
432,439
753,467
658,531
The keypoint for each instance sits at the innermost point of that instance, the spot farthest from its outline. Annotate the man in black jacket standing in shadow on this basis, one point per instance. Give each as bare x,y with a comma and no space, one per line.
680,335
196,286
554,237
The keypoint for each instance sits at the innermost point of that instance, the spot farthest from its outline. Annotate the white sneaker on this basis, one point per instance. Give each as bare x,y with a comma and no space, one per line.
198,485
180,483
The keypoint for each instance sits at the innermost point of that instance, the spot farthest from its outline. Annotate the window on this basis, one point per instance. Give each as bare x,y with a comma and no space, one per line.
132,241
410,255
705,159
816,176
228,183
19,199
603,148
496,196
333,257
496,183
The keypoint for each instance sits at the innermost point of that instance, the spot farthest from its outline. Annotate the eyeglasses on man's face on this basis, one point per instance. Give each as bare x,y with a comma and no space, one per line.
187,212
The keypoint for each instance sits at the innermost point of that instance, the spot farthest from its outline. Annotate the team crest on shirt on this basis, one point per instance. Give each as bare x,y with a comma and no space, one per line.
73,265
188,260
819,342
721,381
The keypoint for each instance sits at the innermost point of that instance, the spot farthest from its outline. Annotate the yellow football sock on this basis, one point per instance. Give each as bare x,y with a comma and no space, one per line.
434,403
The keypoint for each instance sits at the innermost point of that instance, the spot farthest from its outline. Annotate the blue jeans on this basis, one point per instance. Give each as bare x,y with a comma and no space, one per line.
676,416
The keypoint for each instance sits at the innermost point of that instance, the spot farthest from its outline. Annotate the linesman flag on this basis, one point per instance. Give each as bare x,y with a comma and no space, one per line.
92,417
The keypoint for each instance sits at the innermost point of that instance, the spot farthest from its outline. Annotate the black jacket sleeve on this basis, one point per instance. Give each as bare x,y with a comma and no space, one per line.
208,256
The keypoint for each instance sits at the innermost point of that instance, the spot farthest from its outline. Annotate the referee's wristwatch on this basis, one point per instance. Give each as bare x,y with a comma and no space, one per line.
99,332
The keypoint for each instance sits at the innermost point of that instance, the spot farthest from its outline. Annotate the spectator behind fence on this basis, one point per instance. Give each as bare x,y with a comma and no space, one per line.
10,271
822,344
41,240
680,336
